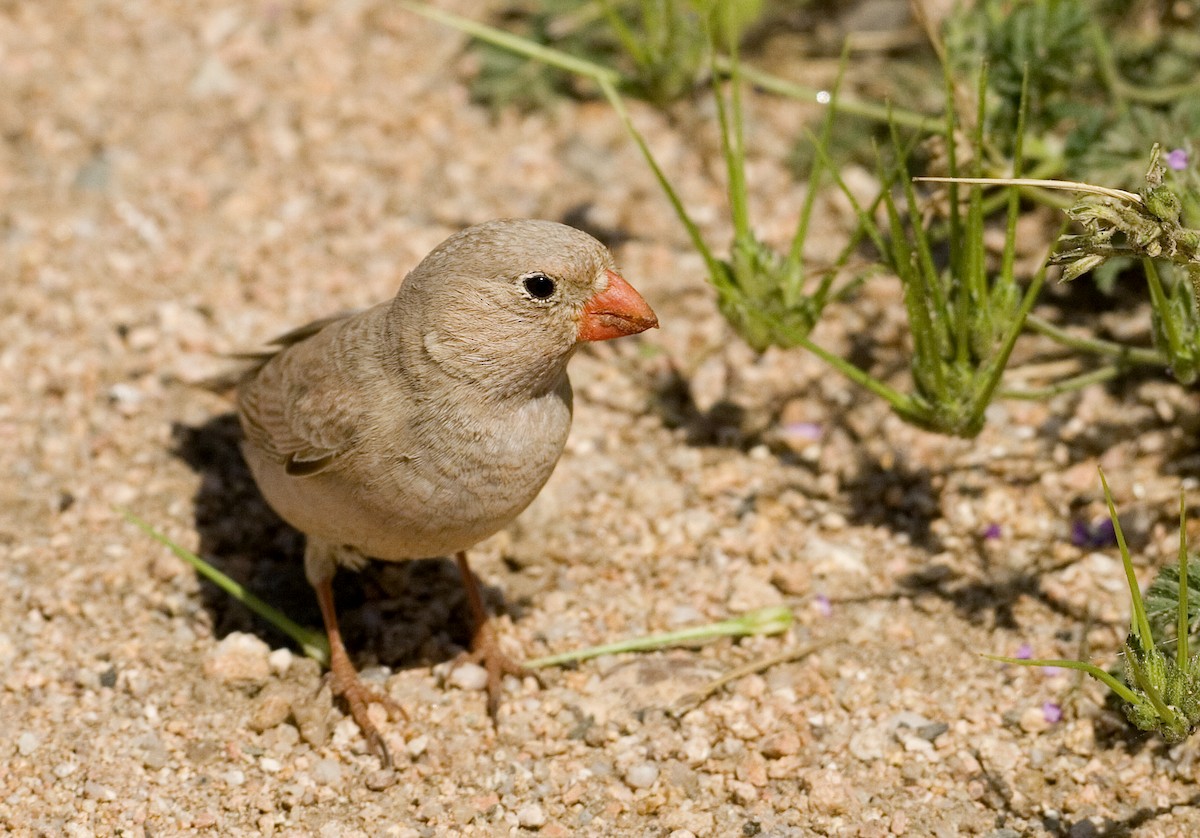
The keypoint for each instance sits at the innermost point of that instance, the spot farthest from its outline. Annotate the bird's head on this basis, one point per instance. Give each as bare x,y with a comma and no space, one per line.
505,303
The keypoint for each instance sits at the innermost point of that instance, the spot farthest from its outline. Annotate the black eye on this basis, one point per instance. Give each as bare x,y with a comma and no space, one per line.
539,286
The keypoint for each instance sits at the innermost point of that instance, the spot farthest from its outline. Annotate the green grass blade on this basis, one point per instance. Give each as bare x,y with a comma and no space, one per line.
1140,626
761,621
1181,617
313,643
1096,672
517,44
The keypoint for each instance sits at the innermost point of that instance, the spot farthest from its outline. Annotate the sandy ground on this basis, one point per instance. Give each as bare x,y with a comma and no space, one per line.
182,180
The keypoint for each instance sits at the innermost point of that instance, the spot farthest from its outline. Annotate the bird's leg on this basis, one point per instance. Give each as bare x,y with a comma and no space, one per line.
485,647
344,680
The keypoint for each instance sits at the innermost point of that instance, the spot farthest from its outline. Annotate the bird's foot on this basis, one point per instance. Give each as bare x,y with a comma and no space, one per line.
345,683
486,652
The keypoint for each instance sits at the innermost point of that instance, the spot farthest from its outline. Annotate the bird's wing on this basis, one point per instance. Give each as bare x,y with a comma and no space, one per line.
299,404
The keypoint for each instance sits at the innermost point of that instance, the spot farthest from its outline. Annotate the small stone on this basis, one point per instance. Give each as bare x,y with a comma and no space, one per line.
274,706
270,765
642,775
783,744
468,676
280,661
417,745
531,816
381,779
240,659
313,714
828,792
27,743
1033,720
327,772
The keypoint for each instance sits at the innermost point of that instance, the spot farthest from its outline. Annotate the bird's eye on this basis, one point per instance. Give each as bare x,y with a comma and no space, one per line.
539,286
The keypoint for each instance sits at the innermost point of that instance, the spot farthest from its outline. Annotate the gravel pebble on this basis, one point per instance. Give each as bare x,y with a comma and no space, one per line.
468,676
531,816
641,775
327,772
27,743
239,659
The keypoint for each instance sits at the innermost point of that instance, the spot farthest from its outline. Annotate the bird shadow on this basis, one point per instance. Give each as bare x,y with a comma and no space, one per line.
401,615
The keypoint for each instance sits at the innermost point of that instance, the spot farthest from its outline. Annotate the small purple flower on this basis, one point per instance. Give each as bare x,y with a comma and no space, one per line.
991,532
823,605
1024,652
1177,159
1052,671
1051,712
1079,533
1104,533
1100,534
803,431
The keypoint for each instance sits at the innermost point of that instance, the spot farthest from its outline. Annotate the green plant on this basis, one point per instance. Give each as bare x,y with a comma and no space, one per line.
1159,693
1097,102
964,320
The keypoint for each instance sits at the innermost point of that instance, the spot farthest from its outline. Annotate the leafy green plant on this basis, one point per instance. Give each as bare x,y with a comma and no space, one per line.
1159,693
1097,101
964,321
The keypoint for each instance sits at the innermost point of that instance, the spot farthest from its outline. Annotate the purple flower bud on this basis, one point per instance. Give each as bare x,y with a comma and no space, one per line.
823,605
1051,712
1024,652
1177,159
991,532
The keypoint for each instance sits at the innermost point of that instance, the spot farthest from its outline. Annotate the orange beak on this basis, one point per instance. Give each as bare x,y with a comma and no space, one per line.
616,311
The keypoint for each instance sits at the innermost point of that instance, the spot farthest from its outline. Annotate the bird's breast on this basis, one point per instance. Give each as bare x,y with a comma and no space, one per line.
448,479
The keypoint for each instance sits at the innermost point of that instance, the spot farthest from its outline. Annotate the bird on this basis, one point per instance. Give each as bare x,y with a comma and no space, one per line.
420,426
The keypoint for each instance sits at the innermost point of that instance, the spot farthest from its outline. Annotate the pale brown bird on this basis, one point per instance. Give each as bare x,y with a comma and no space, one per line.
423,425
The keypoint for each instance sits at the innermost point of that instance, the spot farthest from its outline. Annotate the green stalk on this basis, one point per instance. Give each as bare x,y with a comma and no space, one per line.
1096,346
770,620
900,403
1096,672
517,44
1067,385
1139,624
1181,623
716,270
1158,299
851,106
314,644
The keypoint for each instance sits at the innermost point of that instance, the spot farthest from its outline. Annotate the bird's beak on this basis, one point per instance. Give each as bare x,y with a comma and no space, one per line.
616,311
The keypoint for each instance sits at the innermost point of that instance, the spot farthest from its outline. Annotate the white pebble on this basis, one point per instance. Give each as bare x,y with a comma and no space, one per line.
327,772
280,660
270,765
239,658
642,775
469,676
417,745
531,816
27,743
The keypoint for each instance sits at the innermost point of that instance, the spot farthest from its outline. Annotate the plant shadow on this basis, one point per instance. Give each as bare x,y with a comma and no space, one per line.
402,614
